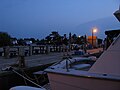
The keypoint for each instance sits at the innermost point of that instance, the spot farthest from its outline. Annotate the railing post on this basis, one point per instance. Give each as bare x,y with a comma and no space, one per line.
30,50
21,57
6,50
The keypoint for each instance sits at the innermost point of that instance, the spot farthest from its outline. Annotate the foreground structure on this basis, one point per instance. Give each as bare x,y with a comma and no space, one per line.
104,74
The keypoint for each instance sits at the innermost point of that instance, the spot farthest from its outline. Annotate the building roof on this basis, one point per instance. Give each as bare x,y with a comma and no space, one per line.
114,33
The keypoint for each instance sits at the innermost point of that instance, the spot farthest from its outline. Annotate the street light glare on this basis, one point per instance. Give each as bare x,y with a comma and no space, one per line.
94,30
79,36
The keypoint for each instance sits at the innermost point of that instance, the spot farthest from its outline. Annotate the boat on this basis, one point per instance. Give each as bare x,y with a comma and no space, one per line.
84,74
81,74
117,14
25,88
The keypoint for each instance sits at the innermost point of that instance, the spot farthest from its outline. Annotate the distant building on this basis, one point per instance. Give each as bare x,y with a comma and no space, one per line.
95,40
14,42
28,42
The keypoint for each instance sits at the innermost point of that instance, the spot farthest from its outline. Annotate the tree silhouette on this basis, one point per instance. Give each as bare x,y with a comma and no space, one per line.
73,38
54,38
5,39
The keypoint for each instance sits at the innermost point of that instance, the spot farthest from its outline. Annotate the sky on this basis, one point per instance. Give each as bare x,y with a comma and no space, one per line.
38,18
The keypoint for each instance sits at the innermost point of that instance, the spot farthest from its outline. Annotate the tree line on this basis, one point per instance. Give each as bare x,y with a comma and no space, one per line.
54,38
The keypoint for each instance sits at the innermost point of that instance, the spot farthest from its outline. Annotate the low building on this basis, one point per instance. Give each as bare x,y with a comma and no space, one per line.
93,40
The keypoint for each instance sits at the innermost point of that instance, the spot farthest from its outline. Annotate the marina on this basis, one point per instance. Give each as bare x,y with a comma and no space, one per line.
59,45
34,63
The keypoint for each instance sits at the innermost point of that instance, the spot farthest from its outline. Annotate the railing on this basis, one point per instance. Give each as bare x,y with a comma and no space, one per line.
12,51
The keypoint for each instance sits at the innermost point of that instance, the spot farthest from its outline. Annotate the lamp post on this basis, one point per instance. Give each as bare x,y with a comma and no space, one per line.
94,30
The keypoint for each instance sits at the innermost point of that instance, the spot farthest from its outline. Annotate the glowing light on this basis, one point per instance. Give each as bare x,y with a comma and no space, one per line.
94,30
79,36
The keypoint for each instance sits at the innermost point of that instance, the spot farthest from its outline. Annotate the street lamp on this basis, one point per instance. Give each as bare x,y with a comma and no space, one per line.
94,30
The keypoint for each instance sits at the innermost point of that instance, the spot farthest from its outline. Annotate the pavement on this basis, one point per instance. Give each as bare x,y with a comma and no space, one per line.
40,59
32,61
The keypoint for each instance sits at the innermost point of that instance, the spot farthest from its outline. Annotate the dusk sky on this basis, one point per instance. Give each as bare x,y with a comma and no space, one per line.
37,18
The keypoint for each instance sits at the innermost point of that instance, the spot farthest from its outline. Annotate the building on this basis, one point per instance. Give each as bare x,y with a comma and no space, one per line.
93,40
